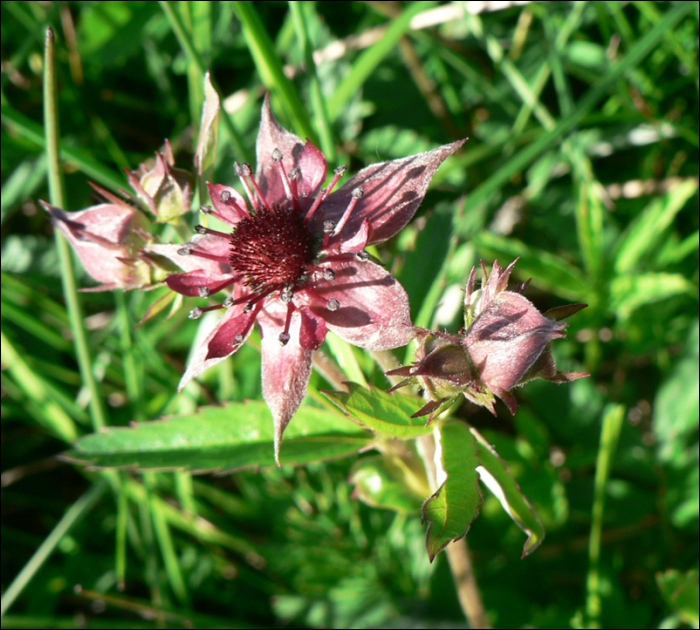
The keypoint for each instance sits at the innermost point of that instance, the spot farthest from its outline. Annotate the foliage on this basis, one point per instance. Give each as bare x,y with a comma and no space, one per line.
582,161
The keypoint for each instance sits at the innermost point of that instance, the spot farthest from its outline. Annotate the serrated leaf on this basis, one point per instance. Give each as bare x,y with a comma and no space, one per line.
644,233
495,476
388,414
232,437
630,292
450,511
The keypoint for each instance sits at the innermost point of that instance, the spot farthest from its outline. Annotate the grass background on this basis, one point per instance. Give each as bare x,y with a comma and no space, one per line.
582,159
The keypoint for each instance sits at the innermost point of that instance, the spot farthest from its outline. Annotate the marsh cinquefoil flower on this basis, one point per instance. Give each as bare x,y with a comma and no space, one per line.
505,344
294,260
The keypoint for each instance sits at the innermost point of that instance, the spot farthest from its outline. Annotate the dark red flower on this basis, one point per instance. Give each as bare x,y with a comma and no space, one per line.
295,260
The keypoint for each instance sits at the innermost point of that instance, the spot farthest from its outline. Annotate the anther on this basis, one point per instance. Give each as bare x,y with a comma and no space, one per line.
186,250
328,226
243,171
284,338
225,196
200,229
363,255
328,274
333,304
248,307
276,155
295,173
357,194
238,340
204,292
195,313
339,171
206,209
228,302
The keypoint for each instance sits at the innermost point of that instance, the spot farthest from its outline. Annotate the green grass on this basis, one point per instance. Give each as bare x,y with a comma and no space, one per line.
582,161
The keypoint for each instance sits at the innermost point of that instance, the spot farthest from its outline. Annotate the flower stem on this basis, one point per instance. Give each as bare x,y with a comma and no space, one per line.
56,195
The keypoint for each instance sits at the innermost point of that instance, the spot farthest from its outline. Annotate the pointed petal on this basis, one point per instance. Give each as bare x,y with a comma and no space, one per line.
234,208
295,153
191,282
286,371
392,193
220,342
374,312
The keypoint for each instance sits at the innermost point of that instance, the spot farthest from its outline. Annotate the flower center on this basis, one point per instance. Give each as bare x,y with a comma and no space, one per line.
271,249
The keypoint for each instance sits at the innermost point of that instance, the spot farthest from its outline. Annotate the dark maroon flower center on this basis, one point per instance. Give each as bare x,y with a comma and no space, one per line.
272,249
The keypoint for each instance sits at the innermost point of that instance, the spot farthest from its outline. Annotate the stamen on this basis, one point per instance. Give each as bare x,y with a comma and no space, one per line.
200,229
284,335
286,294
357,194
227,198
294,175
333,304
328,274
363,255
188,250
218,215
197,311
242,173
238,340
339,171
204,292
277,159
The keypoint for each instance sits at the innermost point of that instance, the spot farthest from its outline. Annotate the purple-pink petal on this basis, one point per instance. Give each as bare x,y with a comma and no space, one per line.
286,371
190,283
373,310
219,343
234,209
392,193
310,160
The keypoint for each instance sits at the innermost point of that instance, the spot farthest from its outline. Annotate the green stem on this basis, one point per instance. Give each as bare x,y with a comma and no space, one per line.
79,509
56,196
185,41
612,424
318,102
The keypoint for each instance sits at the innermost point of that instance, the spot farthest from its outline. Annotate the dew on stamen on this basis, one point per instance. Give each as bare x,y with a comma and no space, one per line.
195,313
284,338
333,304
328,274
204,292
358,193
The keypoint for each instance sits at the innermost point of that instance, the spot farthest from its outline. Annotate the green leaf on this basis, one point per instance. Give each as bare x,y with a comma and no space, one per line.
387,482
388,414
232,437
680,590
548,271
631,291
450,511
644,234
496,477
